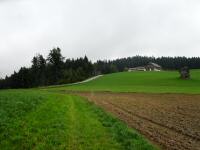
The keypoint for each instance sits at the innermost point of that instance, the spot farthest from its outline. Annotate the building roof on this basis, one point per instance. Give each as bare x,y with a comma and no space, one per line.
140,67
155,65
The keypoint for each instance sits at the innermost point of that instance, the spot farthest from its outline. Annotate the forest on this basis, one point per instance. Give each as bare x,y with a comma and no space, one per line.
56,69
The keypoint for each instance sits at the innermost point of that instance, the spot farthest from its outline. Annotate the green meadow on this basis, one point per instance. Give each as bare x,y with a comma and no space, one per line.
144,82
42,120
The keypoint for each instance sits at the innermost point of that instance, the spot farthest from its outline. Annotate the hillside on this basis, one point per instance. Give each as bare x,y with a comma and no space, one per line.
147,82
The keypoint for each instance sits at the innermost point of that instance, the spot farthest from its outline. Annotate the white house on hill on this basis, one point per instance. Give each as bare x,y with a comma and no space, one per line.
149,67
137,69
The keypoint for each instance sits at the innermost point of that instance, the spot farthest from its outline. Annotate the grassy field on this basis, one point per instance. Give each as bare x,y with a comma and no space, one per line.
36,119
147,82
48,118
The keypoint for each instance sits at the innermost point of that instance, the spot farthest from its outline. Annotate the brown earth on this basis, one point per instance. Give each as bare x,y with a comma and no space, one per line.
172,121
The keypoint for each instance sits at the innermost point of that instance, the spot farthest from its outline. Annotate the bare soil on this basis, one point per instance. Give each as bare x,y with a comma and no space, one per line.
172,121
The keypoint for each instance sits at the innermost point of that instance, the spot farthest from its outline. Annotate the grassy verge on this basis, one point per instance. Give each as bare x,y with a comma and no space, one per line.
33,119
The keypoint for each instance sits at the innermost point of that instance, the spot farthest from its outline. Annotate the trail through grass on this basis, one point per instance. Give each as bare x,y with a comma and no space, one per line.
33,119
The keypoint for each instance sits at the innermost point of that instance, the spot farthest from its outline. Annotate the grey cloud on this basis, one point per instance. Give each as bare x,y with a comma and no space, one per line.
101,29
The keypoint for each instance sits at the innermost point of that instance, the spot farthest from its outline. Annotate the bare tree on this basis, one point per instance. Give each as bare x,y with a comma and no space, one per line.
184,73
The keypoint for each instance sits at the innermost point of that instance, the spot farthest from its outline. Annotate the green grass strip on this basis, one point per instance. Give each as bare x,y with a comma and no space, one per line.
41,120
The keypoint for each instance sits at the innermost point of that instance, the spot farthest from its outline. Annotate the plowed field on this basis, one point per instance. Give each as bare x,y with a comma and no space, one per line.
172,121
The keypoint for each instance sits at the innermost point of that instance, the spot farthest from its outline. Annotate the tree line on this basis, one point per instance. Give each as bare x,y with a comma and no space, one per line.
167,63
55,69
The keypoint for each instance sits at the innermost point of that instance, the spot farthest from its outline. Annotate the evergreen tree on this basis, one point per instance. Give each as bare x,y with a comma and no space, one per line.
56,65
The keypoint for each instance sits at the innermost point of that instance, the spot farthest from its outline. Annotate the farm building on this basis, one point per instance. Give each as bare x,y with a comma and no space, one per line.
153,67
149,67
137,69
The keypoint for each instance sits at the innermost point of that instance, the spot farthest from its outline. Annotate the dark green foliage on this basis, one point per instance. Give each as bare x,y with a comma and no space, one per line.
55,65
38,70
167,63
50,71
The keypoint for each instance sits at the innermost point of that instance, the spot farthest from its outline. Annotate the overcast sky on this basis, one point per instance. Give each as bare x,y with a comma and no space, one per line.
101,29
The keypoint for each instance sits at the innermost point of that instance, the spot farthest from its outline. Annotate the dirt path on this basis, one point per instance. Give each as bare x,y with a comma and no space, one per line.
170,120
87,80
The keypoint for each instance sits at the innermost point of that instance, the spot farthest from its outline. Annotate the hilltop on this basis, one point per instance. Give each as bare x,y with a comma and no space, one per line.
145,82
